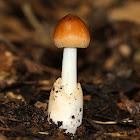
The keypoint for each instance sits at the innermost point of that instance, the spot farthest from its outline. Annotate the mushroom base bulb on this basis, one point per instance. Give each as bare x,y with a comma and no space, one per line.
64,108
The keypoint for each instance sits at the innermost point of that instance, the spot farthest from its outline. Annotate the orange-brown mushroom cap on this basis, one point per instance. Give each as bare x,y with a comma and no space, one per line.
71,32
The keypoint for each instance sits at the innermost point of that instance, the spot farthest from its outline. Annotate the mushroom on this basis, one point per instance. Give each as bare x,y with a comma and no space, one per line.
66,98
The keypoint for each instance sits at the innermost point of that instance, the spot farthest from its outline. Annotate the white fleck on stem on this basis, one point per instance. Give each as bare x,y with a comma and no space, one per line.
69,70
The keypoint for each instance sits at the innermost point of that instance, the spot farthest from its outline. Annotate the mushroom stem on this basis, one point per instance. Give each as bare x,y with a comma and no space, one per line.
69,70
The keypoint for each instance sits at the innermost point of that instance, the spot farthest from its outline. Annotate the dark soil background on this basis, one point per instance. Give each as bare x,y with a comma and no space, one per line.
108,70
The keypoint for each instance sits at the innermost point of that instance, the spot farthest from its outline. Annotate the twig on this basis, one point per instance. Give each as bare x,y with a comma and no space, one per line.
28,12
113,122
117,134
44,133
11,119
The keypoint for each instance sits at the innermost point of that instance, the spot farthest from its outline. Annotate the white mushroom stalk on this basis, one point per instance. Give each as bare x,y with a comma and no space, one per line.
69,69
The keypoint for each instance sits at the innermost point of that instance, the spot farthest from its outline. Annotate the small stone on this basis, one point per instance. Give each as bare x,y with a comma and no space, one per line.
125,50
